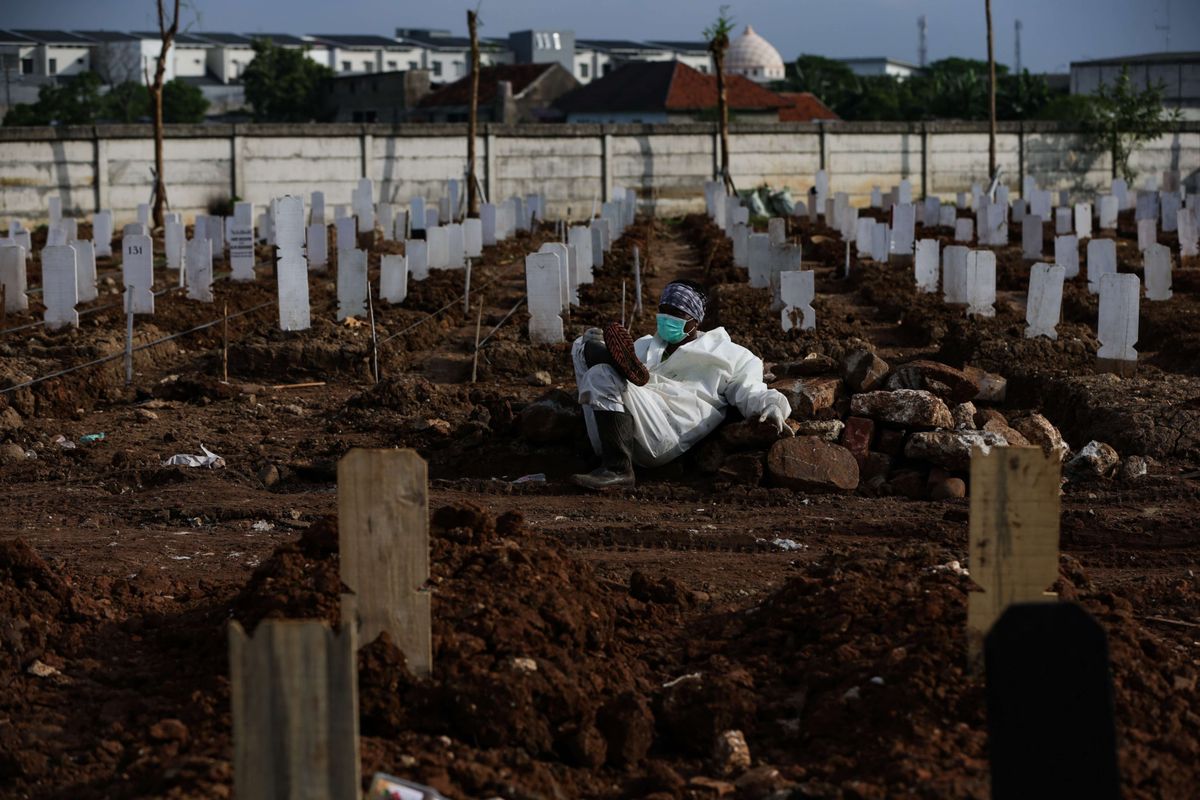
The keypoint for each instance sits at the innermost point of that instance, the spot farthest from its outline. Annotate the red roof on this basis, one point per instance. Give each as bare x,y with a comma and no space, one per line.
804,107
652,86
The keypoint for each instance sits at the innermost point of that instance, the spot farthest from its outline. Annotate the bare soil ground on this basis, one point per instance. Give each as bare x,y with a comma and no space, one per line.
821,626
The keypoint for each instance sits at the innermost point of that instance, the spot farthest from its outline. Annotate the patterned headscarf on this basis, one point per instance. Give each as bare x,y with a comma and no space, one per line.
685,298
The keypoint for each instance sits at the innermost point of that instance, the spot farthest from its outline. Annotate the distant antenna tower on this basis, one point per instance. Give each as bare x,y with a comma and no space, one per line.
921,50
1017,47
1166,29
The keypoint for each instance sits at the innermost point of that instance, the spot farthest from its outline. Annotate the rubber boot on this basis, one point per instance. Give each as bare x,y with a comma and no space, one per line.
616,466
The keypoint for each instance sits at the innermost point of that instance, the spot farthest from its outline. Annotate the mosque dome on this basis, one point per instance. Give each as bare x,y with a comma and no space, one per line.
753,57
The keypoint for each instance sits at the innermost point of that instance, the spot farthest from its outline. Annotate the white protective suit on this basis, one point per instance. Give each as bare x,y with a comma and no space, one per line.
686,397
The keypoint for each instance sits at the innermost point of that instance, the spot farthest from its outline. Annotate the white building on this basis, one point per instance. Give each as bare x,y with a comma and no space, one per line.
753,57
595,58
1177,73
350,54
447,57
51,54
880,65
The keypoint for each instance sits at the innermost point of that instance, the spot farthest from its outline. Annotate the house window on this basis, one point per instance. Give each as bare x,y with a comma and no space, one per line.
413,65
52,68
346,66
368,66
392,65
583,70
26,66
437,68
703,68
557,41
460,68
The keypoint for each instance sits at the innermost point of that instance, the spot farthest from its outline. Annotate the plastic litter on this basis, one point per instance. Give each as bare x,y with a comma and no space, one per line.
63,442
537,477
209,459
88,438
388,787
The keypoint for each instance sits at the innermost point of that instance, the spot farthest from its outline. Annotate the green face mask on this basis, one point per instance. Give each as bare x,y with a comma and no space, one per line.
671,329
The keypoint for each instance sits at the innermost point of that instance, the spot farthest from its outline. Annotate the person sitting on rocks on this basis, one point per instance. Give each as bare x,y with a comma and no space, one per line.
650,401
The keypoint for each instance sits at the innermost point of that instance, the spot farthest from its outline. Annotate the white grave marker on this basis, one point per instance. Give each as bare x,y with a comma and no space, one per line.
351,283
954,274
416,253
241,251
345,237
946,216
456,248
797,288
758,252
1062,221
1147,233
393,278
173,236
487,219
400,225
880,240
926,265
197,258
543,286
317,246
1101,260
416,207
981,283
144,215
60,287
1083,220
964,229
85,270
1031,237
292,269
439,251
137,266
598,247
580,238
54,209
1118,322
13,277
1044,304
363,202
473,234
903,227
1108,209
102,233
1157,266
1189,232
1066,254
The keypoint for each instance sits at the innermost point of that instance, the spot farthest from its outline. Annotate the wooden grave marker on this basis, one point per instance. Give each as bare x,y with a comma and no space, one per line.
383,534
294,698
1013,551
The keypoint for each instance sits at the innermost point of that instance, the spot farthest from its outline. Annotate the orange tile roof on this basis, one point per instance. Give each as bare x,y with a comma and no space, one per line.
804,107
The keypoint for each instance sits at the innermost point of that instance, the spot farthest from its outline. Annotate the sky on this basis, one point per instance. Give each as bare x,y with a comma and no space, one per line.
1054,32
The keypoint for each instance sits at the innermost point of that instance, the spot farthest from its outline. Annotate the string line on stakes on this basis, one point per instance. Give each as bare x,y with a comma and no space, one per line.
448,305
143,346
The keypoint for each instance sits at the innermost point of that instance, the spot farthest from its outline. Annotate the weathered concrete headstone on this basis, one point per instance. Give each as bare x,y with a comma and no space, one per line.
932,211
1188,232
291,267
758,252
102,233
13,277
903,229
1083,220
293,696
960,200
597,246
981,283
954,274
385,215
1041,204
317,213
54,211
864,235
143,214
363,202
60,287
741,245
1031,237
393,278
418,257
1044,304
570,293
776,230
173,236
1147,206
1120,190
197,258
345,236
1169,207
1157,268
56,235
1118,317
1101,260
85,269
797,289
964,229
400,225
1066,254
925,265
543,286
243,214
1019,211
784,258
137,267
946,216
352,284
1013,535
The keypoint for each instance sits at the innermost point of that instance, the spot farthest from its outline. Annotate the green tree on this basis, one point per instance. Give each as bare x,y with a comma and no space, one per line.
834,83
284,84
127,102
1122,117
73,102
183,102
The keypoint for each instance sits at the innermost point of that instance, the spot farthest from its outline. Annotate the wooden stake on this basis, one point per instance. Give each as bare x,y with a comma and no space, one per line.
308,385
475,358
128,337
374,339
225,345
383,524
1013,535
293,689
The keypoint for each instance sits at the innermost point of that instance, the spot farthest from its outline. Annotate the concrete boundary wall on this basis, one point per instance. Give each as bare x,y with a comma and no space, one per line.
574,166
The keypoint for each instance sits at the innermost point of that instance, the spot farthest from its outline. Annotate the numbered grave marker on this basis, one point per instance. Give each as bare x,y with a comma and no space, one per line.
137,266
